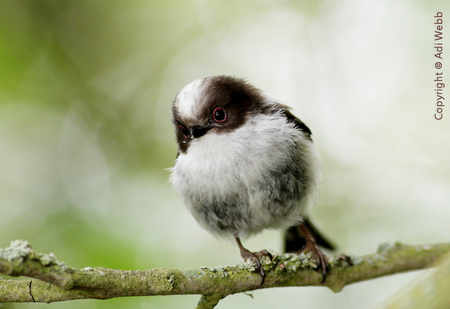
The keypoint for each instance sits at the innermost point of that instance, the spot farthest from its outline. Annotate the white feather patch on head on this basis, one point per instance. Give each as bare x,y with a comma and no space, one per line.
187,101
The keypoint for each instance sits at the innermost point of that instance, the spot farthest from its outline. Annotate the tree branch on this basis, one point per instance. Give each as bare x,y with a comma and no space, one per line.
212,283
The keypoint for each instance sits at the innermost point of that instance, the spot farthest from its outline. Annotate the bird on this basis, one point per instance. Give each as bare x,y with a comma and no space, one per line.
245,163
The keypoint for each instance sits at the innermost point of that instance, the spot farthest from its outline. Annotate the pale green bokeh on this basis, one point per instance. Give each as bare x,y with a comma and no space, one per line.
430,290
86,136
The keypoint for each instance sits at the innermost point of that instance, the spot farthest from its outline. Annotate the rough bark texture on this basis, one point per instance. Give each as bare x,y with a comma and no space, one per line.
212,283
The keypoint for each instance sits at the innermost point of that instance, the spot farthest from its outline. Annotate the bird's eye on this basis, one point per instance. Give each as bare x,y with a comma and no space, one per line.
219,114
185,131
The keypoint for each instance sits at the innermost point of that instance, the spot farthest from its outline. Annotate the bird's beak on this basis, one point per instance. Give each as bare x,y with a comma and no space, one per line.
198,131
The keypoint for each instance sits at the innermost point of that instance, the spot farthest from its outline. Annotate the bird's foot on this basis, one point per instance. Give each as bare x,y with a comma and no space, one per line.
318,255
256,258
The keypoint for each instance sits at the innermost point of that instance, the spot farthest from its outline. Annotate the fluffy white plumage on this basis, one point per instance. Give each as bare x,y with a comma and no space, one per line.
226,179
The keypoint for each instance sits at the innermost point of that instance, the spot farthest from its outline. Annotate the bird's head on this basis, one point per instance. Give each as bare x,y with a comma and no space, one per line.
213,105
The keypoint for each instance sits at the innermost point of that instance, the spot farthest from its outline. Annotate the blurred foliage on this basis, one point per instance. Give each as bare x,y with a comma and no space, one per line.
61,54
429,291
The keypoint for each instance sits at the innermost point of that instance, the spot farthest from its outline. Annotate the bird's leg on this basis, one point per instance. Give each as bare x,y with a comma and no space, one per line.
254,256
312,247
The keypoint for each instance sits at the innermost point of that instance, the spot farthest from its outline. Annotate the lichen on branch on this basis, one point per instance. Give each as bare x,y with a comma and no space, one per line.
212,283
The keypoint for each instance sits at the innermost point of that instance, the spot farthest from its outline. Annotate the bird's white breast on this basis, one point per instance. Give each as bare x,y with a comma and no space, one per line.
219,165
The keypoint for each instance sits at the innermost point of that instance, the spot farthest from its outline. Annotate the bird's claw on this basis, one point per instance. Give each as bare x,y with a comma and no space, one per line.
256,258
319,256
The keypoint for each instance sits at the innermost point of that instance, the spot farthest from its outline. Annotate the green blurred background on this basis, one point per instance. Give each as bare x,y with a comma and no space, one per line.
86,137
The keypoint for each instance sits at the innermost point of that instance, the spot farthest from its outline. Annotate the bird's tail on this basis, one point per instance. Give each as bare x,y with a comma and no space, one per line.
294,240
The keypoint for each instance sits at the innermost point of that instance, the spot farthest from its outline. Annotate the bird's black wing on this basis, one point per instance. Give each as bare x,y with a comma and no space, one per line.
294,240
297,122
